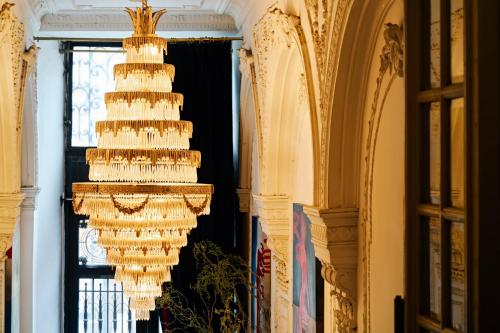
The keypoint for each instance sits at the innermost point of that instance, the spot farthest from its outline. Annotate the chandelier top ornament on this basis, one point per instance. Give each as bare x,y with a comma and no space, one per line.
143,198
144,19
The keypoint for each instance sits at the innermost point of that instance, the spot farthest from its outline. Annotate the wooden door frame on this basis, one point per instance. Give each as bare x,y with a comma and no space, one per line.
482,88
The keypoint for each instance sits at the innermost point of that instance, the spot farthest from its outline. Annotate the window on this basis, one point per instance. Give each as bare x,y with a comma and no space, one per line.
92,76
436,164
94,302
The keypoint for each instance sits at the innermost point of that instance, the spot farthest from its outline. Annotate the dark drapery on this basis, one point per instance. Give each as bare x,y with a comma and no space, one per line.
203,75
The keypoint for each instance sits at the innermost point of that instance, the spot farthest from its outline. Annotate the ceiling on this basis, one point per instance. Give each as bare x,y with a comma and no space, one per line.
184,17
201,5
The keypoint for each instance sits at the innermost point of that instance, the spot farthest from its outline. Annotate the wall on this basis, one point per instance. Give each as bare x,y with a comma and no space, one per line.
333,152
382,184
48,245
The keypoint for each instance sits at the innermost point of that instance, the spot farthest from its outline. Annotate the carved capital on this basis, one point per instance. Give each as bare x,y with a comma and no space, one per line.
335,239
273,212
10,210
244,196
30,198
335,235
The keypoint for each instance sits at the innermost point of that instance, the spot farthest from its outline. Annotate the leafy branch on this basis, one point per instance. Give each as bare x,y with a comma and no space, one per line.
220,279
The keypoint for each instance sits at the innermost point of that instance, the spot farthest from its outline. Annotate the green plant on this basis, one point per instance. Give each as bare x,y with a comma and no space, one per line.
220,280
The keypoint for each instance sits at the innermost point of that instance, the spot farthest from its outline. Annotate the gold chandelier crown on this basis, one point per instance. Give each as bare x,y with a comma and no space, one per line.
145,19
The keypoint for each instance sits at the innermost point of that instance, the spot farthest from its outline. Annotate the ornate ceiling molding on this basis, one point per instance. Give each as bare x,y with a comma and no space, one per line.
117,21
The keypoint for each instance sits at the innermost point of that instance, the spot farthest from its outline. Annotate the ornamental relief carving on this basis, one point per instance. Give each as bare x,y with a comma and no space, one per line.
391,67
281,271
5,244
279,247
274,31
343,297
327,19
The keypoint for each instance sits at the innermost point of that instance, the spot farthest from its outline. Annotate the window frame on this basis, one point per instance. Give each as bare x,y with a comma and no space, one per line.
418,94
74,161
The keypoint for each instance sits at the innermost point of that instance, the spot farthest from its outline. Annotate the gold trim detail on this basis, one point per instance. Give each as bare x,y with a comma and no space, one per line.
150,68
144,19
137,125
179,157
137,42
155,189
128,210
192,208
150,96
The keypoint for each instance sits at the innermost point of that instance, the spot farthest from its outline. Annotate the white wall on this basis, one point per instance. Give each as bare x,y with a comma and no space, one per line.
48,244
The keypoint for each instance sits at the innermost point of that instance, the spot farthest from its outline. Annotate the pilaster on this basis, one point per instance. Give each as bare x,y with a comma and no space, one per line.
244,199
23,310
10,210
274,216
335,239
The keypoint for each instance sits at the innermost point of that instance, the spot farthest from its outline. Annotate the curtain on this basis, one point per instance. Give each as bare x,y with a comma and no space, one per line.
203,76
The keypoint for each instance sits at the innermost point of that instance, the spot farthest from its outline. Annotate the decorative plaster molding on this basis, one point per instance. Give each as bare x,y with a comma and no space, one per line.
30,198
327,24
42,7
335,239
275,31
273,212
274,216
111,21
247,69
244,196
246,62
10,210
391,62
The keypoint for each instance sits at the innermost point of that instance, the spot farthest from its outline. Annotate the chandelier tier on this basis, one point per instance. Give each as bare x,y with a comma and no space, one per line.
143,199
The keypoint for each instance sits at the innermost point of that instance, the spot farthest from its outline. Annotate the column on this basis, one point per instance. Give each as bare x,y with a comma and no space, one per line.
274,215
335,240
10,209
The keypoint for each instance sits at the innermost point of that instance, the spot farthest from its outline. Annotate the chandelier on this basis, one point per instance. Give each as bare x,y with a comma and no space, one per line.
143,199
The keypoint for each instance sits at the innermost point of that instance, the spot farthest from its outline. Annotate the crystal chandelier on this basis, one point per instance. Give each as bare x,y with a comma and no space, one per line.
143,199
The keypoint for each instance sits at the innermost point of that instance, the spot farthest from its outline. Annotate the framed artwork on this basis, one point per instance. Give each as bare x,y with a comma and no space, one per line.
304,274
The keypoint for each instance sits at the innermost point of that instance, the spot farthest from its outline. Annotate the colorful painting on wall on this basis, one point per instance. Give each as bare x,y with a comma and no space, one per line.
261,279
304,274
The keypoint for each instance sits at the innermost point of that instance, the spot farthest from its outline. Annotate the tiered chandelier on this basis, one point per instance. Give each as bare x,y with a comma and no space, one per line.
143,199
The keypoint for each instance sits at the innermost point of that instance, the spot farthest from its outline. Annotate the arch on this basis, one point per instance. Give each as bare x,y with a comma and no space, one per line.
279,52
346,103
349,149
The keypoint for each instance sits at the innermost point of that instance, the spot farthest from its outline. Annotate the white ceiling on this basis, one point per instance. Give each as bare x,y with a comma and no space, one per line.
202,17
199,5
